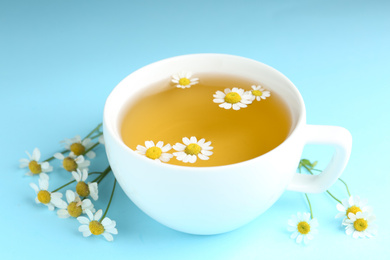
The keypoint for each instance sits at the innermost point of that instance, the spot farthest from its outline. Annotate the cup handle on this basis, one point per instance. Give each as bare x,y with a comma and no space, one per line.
338,137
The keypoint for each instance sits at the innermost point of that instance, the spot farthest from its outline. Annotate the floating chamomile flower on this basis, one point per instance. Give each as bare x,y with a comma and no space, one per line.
192,148
79,147
83,189
155,152
235,98
50,199
302,227
90,226
352,205
259,93
72,163
33,163
184,80
75,206
360,225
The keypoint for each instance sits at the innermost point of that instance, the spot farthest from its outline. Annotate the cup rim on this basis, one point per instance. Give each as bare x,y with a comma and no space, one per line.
299,122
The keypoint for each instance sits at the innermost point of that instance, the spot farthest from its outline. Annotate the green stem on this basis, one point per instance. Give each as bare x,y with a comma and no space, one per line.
102,175
346,186
109,202
93,131
51,158
64,186
334,197
308,201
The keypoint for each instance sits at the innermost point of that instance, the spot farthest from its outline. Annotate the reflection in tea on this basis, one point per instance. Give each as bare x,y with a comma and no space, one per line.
215,120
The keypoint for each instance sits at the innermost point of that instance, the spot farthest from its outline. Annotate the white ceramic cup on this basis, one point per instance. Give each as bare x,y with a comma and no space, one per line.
212,200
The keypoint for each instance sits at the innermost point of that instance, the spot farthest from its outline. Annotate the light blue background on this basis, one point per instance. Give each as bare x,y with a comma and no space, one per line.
59,60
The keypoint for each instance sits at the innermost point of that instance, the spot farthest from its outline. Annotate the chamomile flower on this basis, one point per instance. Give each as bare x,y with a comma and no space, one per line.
83,189
302,227
75,206
105,227
50,199
360,225
77,146
259,93
352,205
184,80
233,98
155,152
72,163
191,149
33,164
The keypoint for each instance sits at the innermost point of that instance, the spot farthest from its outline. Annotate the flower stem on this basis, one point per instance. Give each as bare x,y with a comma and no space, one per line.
66,184
109,202
95,136
346,186
334,197
93,131
102,175
51,158
308,201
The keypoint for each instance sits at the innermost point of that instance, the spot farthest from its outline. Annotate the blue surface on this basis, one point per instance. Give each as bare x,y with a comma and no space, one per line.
59,60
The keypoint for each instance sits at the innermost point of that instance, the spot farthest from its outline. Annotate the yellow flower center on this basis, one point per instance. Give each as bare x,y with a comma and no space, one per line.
35,167
360,224
353,210
184,81
303,227
82,189
74,210
153,152
77,149
193,149
96,227
44,196
69,164
232,98
257,93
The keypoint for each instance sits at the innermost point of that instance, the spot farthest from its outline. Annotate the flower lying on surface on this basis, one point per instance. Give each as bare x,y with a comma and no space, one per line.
77,147
259,93
155,152
33,163
360,225
302,227
50,199
106,227
235,98
192,148
75,206
184,80
352,205
72,163
83,189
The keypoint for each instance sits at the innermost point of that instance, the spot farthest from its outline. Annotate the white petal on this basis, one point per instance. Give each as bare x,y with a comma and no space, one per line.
179,147
63,213
83,228
35,187
305,240
149,144
83,220
203,157
106,222
291,229
43,183
187,158
80,159
36,155
59,156
160,144
193,140
165,157
227,90
112,230
91,154
87,233
299,239
50,206
218,100
166,148
108,236
76,175
85,175
192,159
98,214
90,215
340,208
93,189
236,107
186,141
70,196
294,235
141,148
24,163
205,152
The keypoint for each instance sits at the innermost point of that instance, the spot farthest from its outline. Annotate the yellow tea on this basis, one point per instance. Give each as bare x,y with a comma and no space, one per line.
230,120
